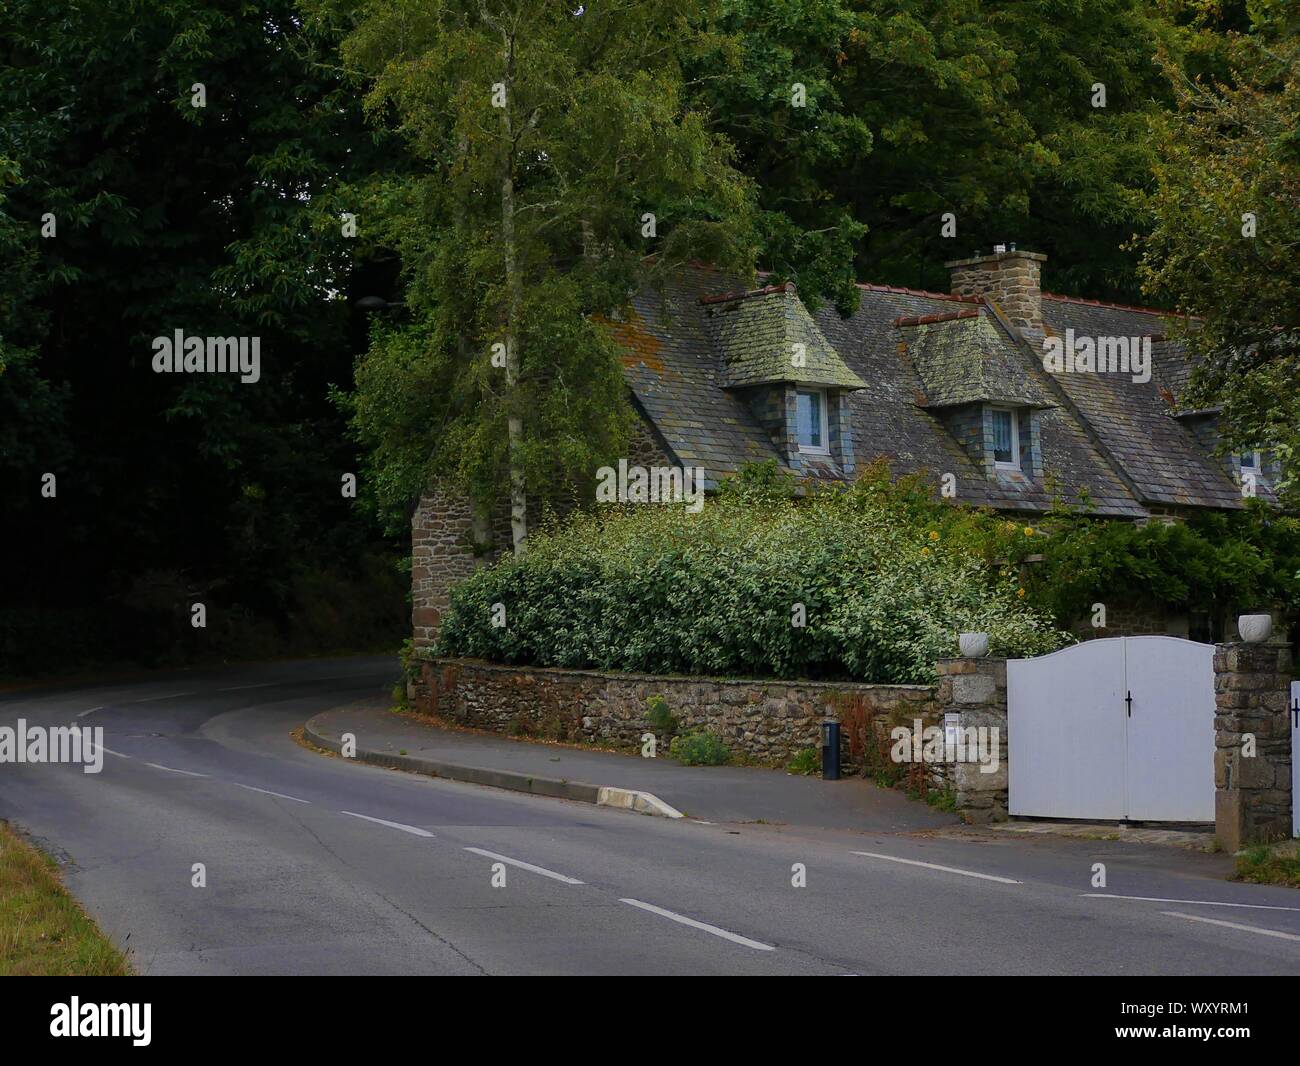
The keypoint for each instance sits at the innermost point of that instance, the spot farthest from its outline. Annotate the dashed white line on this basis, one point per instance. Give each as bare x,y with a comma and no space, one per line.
415,830
268,792
526,866
169,696
172,769
735,938
1193,902
112,752
82,714
244,688
945,869
1232,925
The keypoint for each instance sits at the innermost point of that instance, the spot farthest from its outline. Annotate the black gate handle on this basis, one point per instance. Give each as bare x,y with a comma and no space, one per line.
1295,714
1129,700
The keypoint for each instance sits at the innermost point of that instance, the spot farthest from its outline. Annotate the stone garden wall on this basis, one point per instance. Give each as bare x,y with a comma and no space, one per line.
767,721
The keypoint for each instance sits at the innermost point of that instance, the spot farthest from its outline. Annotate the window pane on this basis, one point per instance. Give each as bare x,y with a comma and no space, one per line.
1002,436
1248,461
809,420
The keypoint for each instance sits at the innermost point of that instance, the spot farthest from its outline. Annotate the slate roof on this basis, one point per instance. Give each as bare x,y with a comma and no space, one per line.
1103,436
759,334
669,363
1134,421
965,357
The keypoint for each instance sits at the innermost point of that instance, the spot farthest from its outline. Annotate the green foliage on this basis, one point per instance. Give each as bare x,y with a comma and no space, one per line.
700,748
805,761
661,720
172,217
942,799
1216,562
522,225
660,590
887,575
982,108
763,482
1230,150
1264,864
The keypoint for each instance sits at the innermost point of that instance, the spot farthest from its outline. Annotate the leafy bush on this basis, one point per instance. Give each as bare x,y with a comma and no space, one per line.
701,748
662,721
1217,562
661,590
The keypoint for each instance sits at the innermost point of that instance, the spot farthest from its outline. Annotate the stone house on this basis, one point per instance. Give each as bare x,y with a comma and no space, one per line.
953,385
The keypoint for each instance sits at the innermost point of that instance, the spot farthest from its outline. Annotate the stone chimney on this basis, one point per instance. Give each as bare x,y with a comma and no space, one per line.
1011,279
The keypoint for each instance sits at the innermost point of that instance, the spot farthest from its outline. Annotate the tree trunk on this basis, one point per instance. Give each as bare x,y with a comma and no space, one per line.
514,307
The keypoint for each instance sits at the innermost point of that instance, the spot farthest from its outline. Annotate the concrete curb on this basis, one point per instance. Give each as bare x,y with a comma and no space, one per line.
642,802
556,788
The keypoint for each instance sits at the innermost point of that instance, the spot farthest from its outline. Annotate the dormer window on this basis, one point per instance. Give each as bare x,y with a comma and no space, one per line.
1006,438
811,421
1252,462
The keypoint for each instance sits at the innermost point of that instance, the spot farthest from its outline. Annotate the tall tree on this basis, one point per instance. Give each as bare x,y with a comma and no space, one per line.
166,161
865,124
1225,244
562,169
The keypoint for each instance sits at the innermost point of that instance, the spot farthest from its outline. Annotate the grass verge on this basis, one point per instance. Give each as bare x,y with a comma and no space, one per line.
1270,864
43,931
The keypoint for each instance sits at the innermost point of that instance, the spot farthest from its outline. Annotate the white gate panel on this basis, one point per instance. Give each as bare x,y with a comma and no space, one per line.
1066,733
1170,729
1295,758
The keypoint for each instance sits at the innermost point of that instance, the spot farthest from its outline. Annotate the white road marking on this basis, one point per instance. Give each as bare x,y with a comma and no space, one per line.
1194,902
172,769
169,696
296,681
1233,925
735,938
268,792
112,752
82,714
945,869
413,829
526,866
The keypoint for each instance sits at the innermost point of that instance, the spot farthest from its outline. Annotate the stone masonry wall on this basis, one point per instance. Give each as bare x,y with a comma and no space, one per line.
442,541
976,691
1011,279
1252,798
1134,620
442,553
768,721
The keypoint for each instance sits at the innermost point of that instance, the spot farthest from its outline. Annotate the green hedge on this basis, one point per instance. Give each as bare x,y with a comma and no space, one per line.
656,589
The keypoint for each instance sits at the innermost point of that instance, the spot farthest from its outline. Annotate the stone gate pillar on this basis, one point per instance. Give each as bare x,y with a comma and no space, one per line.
975,689
1252,798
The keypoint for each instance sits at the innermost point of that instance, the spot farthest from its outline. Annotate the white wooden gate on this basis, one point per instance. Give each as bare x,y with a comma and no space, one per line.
1111,729
1295,758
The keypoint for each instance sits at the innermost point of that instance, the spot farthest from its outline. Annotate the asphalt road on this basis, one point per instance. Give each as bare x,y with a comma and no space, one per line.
318,866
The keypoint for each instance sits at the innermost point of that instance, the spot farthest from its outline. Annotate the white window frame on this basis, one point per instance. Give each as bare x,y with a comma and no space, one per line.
1257,461
808,449
1015,439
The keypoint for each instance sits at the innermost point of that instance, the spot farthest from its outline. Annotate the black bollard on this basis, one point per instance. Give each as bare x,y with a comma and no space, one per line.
830,751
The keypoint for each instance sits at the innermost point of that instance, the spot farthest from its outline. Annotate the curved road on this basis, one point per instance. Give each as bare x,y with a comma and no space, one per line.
318,866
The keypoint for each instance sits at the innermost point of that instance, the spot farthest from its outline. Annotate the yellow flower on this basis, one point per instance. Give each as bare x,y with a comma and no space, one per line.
934,534
1020,593
925,551
1029,531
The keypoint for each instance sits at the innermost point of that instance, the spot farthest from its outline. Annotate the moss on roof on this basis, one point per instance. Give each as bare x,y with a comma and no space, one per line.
969,360
770,337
